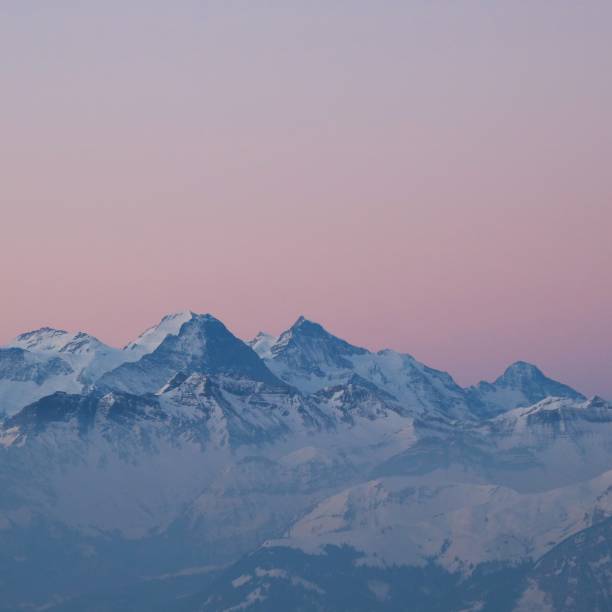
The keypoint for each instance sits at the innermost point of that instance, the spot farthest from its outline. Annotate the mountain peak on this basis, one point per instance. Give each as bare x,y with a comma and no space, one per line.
51,340
42,331
522,384
306,328
151,338
521,371
81,342
205,317
302,324
310,335
306,354
42,339
201,344
597,401
180,314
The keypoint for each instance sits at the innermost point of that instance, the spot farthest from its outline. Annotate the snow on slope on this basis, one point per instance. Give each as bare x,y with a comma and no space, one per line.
262,344
224,448
555,443
15,395
203,344
199,438
310,358
78,359
26,377
43,340
409,521
85,359
150,339
522,384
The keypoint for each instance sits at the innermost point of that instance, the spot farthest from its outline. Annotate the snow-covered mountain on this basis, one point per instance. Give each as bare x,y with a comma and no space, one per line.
26,377
440,545
409,521
64,361
310,358
262,344
202,344
151,338
522,384
193,471
88,357
68,361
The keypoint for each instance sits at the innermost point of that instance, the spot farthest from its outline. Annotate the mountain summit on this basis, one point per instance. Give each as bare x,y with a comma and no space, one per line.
150,339
309,348
202,344
522,384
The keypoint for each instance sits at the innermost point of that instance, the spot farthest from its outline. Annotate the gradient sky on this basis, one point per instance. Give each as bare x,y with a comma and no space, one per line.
433,177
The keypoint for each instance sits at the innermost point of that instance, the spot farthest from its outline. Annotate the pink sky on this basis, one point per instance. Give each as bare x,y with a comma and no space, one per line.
430,177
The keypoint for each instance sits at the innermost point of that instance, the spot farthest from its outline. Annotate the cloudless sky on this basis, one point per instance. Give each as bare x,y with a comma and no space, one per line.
434,177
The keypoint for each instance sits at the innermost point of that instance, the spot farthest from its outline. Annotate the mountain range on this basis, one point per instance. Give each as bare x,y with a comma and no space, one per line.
193,470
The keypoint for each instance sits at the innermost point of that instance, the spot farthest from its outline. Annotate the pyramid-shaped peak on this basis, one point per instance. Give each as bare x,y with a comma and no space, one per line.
314,342
522,370
302,322
198,329
208,326
305,325
533,383
597,401
201,344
